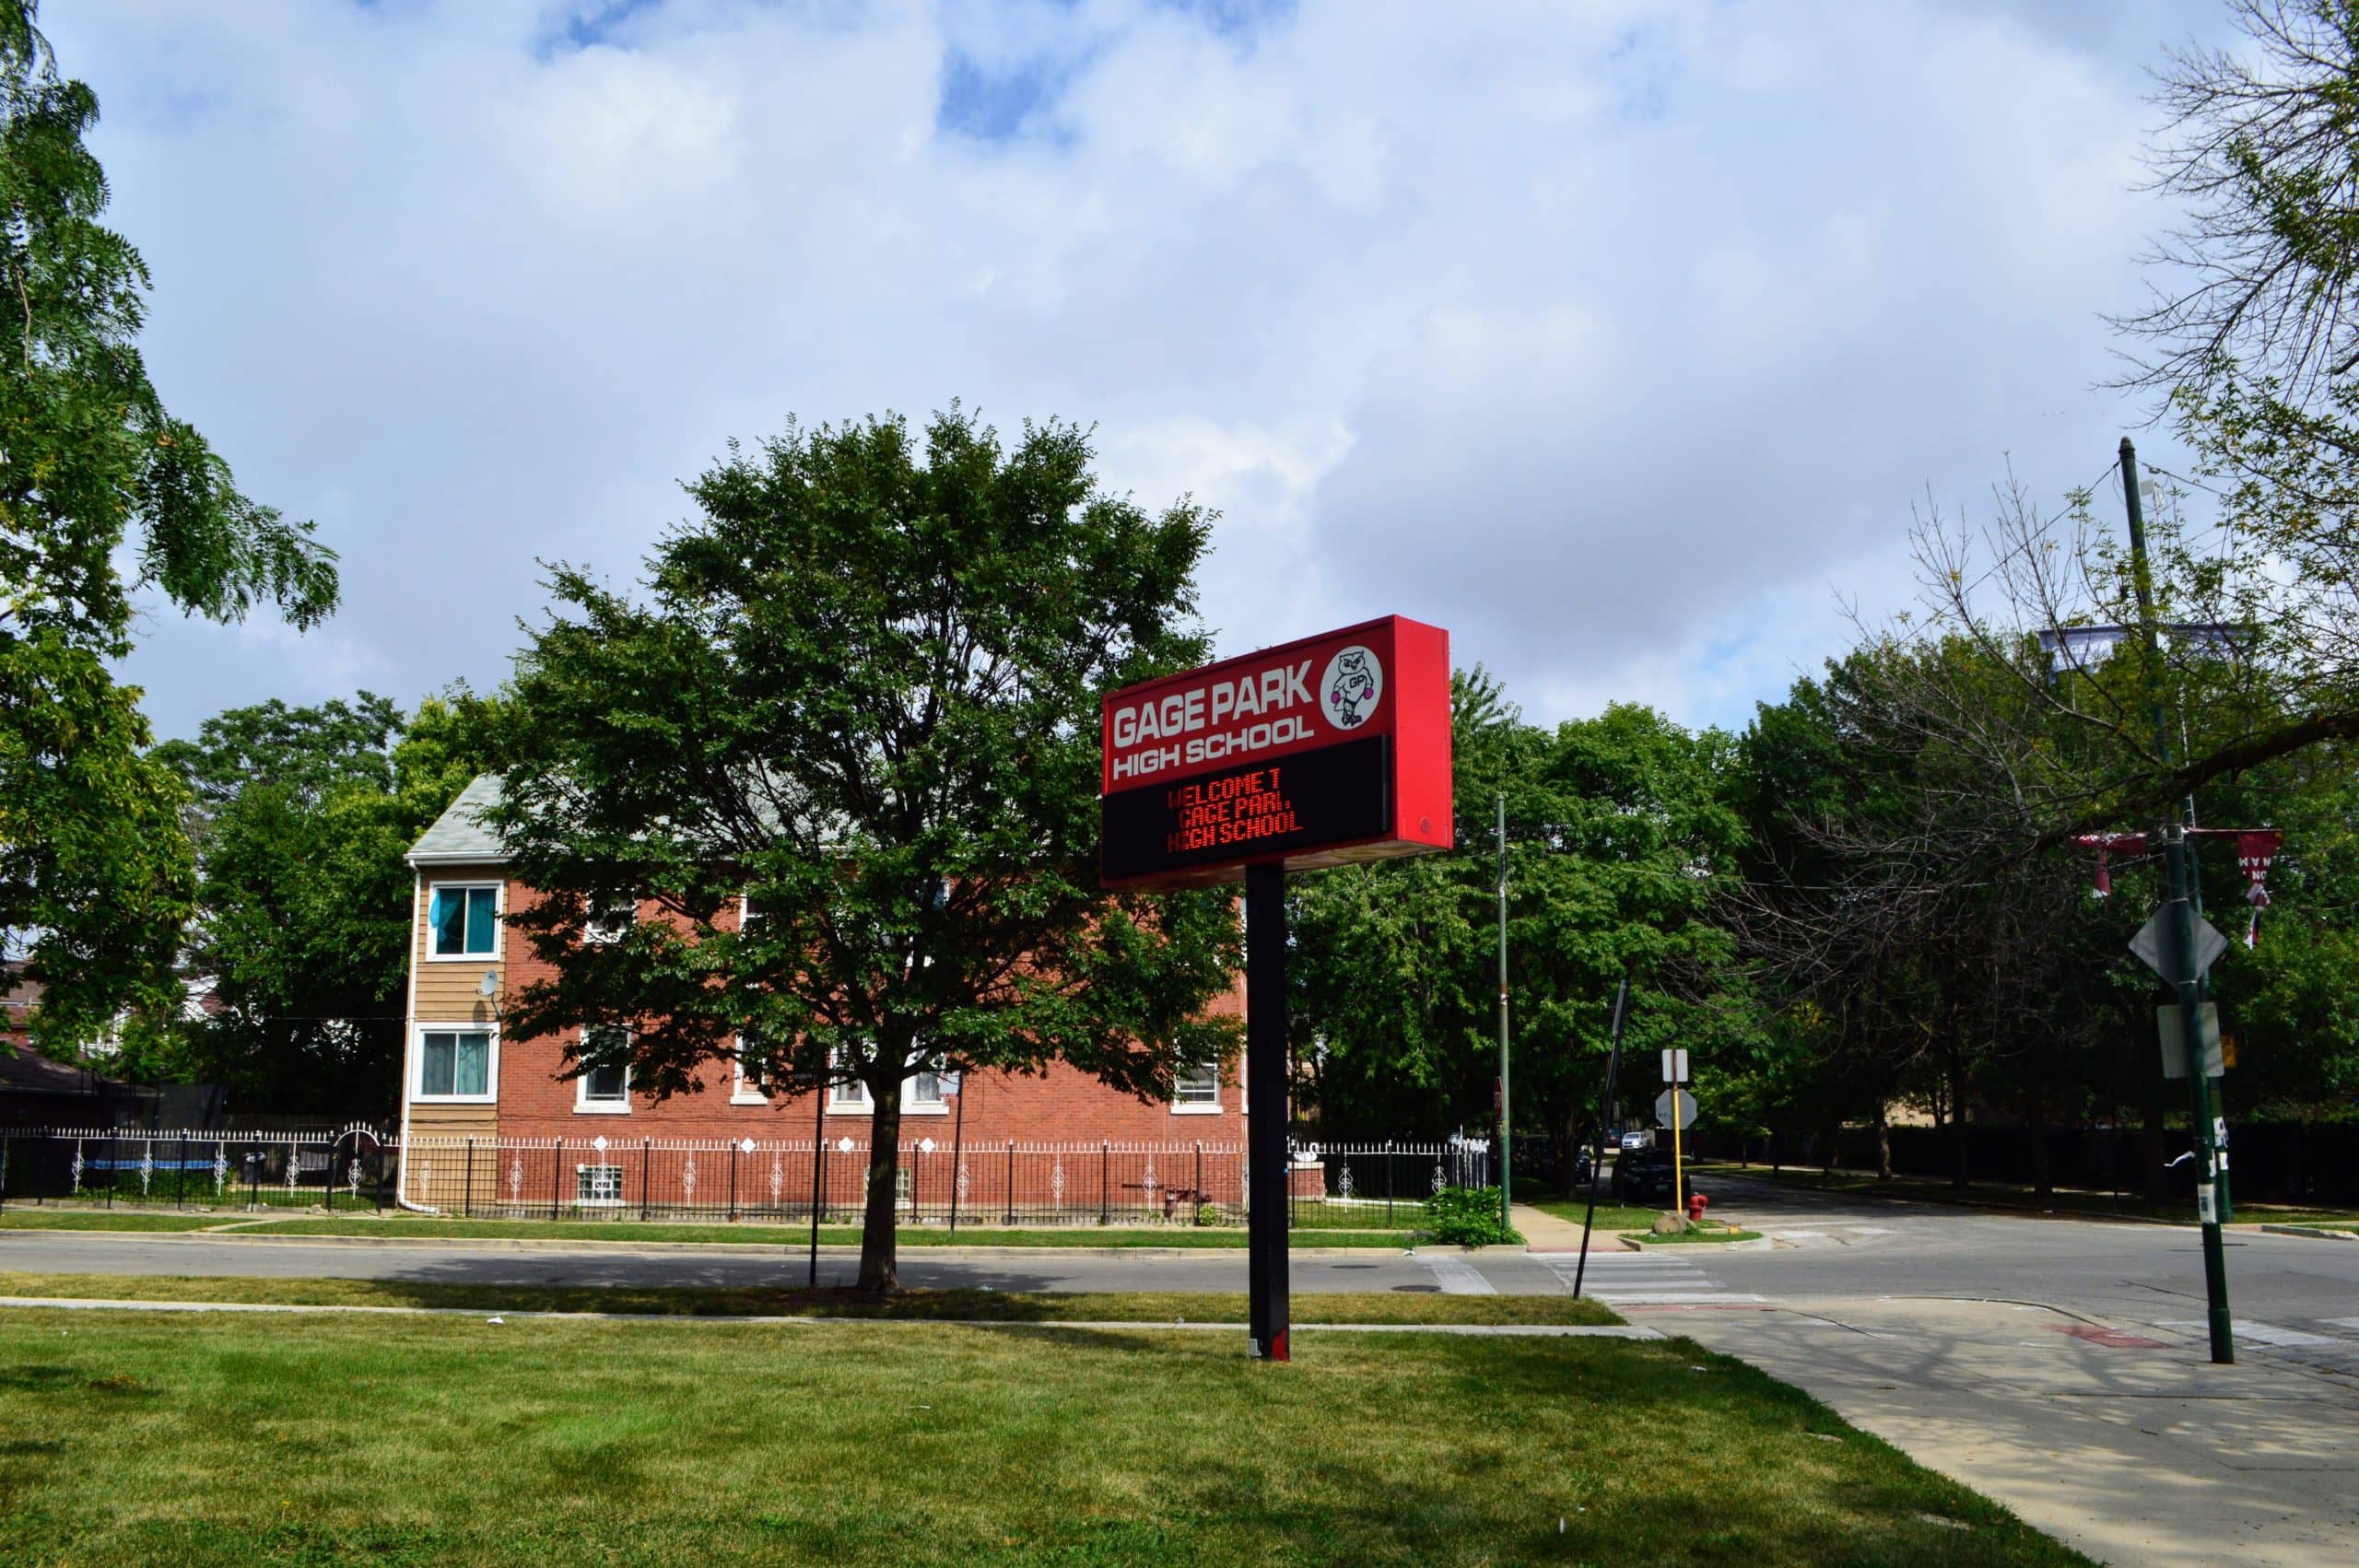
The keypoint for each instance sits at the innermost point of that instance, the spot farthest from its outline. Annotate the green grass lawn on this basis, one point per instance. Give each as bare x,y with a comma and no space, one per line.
1611,1217
1192,1237
1704,1237
2076,1201
750,1301
18,1218
126,1438
1361,1215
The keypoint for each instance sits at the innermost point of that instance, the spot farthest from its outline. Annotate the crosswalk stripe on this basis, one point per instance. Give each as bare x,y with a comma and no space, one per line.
1457,1277
1654,1281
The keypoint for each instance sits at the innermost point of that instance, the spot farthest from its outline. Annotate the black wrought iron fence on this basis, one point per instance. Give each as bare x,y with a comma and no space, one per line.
978,1183
193,1169
603,1177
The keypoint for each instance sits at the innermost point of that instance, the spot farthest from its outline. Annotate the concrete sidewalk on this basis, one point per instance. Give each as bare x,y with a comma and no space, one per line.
1544,1231
2121,1440
502,1314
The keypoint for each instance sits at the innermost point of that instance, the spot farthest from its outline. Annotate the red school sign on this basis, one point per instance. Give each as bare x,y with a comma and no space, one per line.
1323,752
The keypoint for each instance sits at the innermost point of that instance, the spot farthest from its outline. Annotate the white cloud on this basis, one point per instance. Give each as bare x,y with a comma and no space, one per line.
1618,339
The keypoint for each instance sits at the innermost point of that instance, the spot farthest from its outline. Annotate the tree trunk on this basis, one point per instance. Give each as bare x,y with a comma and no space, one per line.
2043,1175
2154,1181
1958,1175
1884,1141
880,1267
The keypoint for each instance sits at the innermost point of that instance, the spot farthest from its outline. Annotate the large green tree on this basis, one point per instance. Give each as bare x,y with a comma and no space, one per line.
1618,840
301,817
95,477
860,690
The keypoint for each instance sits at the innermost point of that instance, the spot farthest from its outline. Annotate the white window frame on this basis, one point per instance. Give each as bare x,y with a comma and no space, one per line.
1196,1107
584,1169
499,922
597,932
418,1063
744,1090
583,1103
912,1105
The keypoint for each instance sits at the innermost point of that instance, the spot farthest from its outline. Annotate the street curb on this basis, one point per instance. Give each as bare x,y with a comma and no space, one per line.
1506,1330
1758,1244
2317,1233
2006,1211
1516,1250
746,1248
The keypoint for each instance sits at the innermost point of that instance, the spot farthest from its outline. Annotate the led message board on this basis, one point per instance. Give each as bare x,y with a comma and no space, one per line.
1323,752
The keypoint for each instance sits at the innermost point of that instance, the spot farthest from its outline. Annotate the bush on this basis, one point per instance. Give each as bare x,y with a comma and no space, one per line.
1467,1216
1210,1214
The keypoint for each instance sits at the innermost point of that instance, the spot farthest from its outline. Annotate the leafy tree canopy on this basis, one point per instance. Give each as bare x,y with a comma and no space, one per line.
94,472
1618,839
303,816
860,689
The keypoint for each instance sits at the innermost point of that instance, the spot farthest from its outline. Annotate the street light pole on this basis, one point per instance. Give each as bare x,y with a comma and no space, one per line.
2182,974
1507,1180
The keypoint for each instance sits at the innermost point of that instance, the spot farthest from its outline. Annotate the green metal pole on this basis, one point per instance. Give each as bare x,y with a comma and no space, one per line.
2202,995
2182,955
1507,1180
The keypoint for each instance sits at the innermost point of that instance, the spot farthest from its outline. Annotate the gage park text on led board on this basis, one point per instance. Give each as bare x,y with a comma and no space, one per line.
1323,752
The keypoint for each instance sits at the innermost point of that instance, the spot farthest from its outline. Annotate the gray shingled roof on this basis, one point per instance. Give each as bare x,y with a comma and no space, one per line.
458,834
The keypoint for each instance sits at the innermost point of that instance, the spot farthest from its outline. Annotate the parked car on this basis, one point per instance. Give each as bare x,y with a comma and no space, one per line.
1637,1138
1644,1175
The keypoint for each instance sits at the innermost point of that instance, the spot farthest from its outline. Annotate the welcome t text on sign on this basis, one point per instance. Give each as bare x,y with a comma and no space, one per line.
1321,751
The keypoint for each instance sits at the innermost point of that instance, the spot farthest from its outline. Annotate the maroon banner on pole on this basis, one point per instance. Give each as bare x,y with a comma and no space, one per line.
1327,751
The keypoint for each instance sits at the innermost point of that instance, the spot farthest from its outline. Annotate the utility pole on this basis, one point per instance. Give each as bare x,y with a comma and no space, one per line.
2182,957
1507,1181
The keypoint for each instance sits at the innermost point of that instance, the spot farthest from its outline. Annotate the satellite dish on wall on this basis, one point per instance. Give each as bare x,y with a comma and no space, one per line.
490,986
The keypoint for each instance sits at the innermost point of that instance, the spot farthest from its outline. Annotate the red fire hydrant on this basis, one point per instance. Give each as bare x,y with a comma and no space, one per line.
1696,1203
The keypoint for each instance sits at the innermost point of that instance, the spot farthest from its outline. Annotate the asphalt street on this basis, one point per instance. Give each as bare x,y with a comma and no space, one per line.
2298,1298
2058,1365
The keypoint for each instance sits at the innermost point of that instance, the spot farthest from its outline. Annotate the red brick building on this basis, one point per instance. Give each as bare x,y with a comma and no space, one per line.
510,1130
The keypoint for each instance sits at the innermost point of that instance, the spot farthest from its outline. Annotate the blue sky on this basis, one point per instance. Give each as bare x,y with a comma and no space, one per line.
1619,338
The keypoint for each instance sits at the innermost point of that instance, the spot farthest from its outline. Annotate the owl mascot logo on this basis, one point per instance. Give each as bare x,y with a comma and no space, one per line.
1349,690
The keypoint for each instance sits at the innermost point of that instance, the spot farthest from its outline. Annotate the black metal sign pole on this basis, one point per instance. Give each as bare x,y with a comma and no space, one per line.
1604,1109
1269,1310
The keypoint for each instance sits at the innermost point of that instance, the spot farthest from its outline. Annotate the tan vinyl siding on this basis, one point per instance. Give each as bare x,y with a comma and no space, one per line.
430,1120
442,1171
449,989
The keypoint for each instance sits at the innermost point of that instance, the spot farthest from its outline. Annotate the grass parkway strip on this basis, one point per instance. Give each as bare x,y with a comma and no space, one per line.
131,1437
1120,1237
766,1300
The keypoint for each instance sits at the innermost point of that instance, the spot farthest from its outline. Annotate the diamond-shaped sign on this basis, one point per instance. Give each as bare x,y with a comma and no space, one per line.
2154,941
926,1145
747,1146
844,1147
